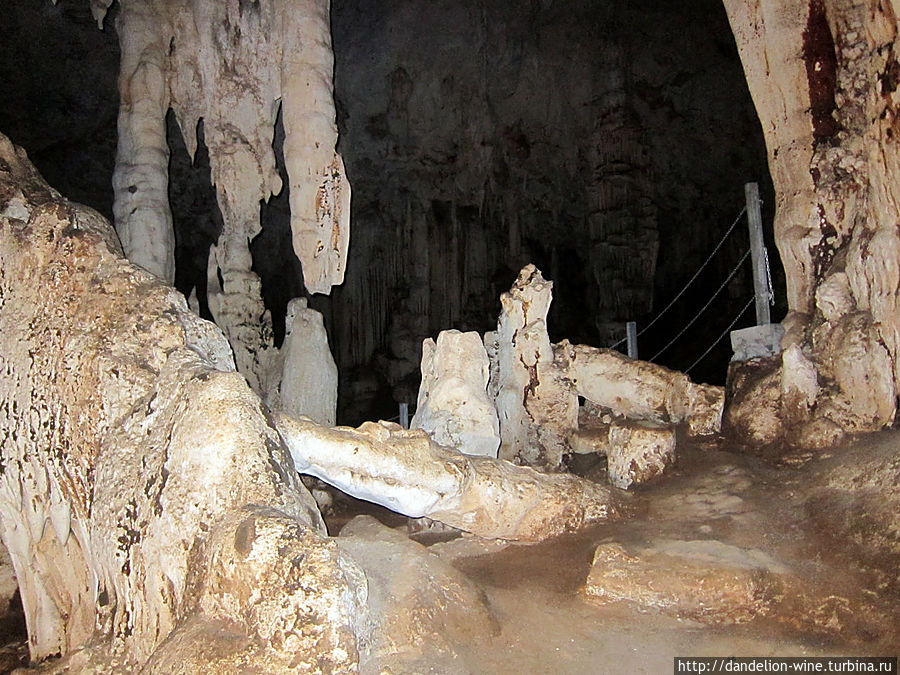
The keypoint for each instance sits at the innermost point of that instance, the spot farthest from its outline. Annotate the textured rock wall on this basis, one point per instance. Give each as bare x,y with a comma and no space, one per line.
148,506
823,75
481,136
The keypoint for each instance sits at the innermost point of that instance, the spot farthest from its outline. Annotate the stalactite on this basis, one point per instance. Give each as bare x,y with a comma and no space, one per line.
232,64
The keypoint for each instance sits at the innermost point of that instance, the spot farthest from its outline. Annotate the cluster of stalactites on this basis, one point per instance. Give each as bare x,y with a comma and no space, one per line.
231,64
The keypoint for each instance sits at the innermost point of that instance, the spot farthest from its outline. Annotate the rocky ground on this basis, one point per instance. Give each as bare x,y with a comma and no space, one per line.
727,554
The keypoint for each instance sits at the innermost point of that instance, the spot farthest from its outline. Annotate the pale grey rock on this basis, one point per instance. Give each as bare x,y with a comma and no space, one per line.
453,405
309,381
756,342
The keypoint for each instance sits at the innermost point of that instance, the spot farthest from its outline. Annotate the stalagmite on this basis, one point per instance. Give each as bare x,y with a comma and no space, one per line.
453,405
310,378
232,64
409,473
538,409
151,512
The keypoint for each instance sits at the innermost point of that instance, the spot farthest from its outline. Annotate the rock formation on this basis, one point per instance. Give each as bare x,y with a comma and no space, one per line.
149,508
232,65
640,390
409,473
631,410
537,407
309,379
824,76
453,405
424,611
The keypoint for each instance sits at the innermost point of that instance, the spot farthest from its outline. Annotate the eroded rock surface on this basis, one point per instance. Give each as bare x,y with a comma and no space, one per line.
705,581
424,612
309,381
822,78
639,390
453,405
135,461
409,473
638,452
537,407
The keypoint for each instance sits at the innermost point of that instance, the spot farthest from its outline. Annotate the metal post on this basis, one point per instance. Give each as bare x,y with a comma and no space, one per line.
404,415
758,255
631,332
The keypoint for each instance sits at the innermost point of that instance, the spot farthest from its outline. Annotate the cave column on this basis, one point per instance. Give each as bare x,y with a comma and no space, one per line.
141,179
823,76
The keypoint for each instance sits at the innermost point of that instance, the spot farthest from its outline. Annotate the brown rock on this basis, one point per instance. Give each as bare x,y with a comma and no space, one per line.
705,581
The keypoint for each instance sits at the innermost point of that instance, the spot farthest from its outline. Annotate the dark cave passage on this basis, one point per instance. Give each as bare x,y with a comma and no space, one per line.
608,145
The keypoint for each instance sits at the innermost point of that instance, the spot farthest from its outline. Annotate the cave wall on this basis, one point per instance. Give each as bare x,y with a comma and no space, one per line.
480,137
60,96
151,510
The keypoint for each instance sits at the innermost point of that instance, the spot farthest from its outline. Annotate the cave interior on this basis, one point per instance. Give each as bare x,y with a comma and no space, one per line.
606,144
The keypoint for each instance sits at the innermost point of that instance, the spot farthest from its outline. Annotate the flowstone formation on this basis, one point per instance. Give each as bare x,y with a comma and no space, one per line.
151,509
232,65
824,79
151,512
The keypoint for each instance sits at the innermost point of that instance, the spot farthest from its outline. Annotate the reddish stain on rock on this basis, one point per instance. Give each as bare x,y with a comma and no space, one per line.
821,71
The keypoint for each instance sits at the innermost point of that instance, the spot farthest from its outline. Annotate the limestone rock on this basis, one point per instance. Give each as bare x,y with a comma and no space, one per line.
754,415
309,381
8,584
229,67
636,452
404,470
422,610
706,581
135,459
799,383
815,74
638,390
851,355
834,297
453,406
537,407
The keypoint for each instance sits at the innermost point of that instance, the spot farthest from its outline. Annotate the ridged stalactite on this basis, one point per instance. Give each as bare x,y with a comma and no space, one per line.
232,64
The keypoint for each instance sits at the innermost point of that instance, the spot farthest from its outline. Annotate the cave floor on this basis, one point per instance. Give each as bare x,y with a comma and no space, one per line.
845,591
846,600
